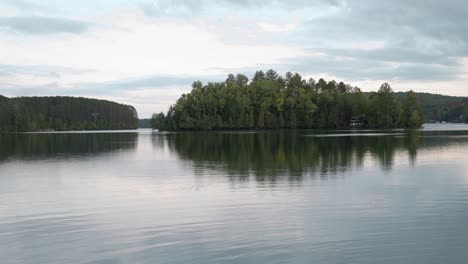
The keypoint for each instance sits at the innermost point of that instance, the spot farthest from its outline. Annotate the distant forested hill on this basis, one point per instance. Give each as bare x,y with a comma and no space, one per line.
64,113
144,123
438,107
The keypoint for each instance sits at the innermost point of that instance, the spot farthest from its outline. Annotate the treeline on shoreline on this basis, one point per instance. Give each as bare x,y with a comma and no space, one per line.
64,113
441,108
271,101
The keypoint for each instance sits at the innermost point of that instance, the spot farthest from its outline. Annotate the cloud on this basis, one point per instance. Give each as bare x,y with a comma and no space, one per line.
221,7
146,48
27,6
363,69
411,46
40,25
43,89
38,70
147,82
17,80
51,74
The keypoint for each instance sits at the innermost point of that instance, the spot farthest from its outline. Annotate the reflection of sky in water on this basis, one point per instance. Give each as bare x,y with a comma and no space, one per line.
172,199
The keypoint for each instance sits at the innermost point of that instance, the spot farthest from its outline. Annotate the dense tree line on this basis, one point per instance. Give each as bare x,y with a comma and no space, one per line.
271,101
64,113
438,108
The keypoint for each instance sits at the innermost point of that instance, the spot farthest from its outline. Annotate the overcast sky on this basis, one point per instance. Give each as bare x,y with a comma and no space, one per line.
148,52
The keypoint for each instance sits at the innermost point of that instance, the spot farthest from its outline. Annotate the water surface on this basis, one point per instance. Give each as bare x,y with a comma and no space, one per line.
235,197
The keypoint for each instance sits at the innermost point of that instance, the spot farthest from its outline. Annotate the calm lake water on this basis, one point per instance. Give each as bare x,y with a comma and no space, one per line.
235,197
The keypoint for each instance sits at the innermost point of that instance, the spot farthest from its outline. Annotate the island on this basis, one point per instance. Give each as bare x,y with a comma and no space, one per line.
271,101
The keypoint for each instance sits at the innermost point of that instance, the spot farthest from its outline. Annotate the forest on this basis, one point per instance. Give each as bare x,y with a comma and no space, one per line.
271,101
21,114
438,108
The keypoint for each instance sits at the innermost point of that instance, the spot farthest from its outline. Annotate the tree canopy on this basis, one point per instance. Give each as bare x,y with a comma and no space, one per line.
271,101
438,108
64,113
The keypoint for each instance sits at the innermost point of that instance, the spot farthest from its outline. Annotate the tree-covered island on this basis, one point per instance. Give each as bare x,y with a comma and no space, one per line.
271,101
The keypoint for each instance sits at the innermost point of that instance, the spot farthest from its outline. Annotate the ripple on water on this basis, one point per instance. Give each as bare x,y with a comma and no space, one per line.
240,197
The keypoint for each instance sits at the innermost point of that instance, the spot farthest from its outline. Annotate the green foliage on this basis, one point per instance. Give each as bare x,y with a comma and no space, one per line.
64,113
415,120
158,121
271,101
411,114
436,107
384,109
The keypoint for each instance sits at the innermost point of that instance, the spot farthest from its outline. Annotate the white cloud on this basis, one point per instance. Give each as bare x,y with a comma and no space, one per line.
271,27
136,46
141,46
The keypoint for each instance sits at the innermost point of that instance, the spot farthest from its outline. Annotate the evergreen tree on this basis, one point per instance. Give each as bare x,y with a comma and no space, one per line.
411,114
384,111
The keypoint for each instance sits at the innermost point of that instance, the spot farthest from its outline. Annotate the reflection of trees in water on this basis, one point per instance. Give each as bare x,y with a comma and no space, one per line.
37,145
269,155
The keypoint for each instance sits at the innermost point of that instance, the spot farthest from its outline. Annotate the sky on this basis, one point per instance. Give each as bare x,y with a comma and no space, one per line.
147,53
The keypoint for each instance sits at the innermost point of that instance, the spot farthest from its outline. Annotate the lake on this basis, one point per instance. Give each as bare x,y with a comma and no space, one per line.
235,197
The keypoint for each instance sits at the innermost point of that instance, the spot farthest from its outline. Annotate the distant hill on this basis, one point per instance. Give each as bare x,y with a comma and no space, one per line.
64,113
438,107
144,123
